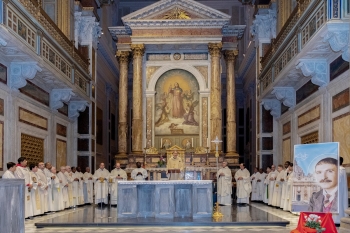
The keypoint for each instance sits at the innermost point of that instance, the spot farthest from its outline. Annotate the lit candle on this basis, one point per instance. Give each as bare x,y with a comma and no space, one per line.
192,142
207,142
161,142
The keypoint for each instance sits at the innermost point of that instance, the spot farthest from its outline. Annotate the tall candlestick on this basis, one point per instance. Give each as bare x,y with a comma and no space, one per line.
192,142
207,142
161,143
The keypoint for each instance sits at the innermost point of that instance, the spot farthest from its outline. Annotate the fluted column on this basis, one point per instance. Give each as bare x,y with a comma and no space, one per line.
137,52
230,56
123,59
215,94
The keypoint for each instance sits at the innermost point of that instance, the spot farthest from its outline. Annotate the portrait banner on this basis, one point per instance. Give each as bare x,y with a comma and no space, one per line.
316,178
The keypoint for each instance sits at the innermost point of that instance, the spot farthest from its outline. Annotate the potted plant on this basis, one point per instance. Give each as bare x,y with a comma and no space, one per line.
313,224
161,162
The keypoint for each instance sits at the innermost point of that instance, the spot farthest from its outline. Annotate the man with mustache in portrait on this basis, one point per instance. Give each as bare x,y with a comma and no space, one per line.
326,176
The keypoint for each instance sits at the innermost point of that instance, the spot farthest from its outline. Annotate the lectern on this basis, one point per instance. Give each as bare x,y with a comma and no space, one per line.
174,174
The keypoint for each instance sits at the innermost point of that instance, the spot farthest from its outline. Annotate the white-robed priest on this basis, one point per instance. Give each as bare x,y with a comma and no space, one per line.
139,173
117,174
224,185
101,184
88,187
244,186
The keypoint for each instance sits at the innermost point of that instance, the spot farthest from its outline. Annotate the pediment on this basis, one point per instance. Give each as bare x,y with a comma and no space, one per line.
175,148
166,11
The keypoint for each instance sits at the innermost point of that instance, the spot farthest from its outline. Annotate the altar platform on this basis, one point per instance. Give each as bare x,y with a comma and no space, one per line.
94,216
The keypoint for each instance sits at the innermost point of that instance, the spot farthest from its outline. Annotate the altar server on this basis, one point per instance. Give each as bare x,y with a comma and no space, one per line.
117,174
272,179
22,172
343,193
88,187
244,186
224,182
254,179
101,185
64,186
277,190
260,187
266,186
139,173
9,173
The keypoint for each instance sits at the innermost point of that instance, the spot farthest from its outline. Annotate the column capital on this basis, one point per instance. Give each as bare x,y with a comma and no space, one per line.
215,49
123,56
286,95
58,96
137,50
230,55
74,107
272,105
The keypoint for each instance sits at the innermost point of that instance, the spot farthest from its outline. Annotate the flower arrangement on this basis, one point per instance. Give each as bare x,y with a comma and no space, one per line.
161,161
313,221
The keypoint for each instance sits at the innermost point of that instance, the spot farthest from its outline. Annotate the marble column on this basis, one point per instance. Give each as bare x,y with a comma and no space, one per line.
215,94
137,52
123,59
345,223
230,56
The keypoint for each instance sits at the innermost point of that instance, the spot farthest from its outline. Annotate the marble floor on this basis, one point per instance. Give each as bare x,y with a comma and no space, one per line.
256,210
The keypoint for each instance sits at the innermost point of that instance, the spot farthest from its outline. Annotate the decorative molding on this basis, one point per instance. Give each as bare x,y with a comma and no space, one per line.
20,71
58,96
272,105
233,30
86,29
74,107
338,38
119,31
286,95
316,68
264,26
2,42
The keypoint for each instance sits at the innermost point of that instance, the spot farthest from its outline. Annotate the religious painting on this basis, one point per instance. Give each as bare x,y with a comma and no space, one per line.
177,99
316,178
3,73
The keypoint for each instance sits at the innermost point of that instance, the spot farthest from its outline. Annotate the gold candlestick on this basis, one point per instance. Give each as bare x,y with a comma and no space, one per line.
207,163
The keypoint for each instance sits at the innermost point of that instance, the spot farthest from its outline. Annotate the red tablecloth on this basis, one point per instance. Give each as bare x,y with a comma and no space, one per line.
326,222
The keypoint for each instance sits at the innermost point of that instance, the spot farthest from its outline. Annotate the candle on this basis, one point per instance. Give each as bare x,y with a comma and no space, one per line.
161,142
207,142
192,142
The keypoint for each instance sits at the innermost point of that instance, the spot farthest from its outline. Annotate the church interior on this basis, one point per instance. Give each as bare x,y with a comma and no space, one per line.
133,82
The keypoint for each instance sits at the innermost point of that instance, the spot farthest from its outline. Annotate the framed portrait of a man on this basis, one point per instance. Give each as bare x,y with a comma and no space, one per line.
316,178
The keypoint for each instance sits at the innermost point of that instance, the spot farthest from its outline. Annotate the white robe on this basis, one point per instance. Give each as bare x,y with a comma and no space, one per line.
36,193
101,188
272,175
88,188
284,189
57,197
49,176
8,175
277,190
289,193
266,189
81,188
343,196
253,178
64,189
134,175
76,187
70,179
23,173
260,187
244,186
224,186
44,197
114,186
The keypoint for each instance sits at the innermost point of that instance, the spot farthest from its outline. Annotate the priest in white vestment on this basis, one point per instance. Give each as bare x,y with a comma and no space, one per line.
266,186
175,163
139,173
64,186
343,193
37,190
57,197
49,176
284,184
224,185
117,174
76,186
260,187
81,186
244,186
44,197
289,191
101,184
253,178
277,190
70,179
9,173
22,172
272,179
88,187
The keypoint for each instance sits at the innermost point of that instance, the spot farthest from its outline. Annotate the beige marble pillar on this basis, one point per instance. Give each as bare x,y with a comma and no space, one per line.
215,94
123,59
345,223
137,52
230,56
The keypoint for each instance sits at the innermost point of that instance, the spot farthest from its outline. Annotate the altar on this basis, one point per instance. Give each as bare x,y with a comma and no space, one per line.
165,199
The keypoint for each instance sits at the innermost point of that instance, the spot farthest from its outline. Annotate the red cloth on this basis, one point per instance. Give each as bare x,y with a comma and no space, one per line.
326,222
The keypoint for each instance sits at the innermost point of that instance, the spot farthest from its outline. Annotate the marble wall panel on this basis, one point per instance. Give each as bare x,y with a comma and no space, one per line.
36,93
64,109
309,116
341,134
337,67
286,150
286,128
61,153
310,138
61,130
306,90
267,143
33,119
183,204
341,100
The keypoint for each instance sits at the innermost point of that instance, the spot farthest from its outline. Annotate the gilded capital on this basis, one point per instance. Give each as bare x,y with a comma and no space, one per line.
215,49
230,55
123,56
137,50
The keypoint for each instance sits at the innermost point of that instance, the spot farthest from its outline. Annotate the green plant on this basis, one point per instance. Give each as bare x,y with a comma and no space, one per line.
314,221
